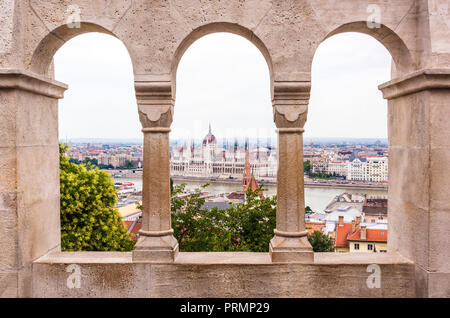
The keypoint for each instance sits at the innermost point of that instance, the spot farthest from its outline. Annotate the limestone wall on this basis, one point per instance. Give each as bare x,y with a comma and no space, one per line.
156,33
221,275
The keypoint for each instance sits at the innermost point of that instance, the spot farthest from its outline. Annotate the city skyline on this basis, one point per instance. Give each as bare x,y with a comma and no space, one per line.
306,141
238,87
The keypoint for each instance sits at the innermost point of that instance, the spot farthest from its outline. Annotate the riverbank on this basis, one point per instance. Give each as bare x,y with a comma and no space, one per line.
354,186
317,196
308,182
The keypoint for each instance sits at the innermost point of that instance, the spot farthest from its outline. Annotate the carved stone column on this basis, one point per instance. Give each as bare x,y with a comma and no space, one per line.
29,176
419,175
156,242
290,105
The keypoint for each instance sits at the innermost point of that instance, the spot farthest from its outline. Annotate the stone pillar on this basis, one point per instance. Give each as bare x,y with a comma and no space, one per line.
290,105
419,175
156,242
29,176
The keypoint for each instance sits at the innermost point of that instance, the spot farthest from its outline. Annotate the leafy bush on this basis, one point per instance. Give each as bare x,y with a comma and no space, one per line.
242,227
89,221
321,242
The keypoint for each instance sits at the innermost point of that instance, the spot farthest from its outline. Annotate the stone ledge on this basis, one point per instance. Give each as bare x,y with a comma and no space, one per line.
221,258
221,275
416,82
28,81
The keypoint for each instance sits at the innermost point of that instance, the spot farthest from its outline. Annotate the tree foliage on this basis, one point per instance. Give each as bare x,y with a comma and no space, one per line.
129,164
321,242
92,162
307,166
253,222
89,221
322,175
242,227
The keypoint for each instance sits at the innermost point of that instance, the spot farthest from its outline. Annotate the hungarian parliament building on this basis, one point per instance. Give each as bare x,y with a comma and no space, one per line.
211,161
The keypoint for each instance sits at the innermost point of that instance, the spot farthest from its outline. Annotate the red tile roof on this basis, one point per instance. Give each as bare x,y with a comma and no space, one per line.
236,195
136,228
313,226
372,235
341,235
128,224
344,235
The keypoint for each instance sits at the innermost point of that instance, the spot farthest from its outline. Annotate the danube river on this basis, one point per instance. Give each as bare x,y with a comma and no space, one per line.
316,197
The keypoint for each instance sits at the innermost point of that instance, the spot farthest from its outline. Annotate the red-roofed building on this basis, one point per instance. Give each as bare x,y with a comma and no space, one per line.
342,231
134,227
354,237
368,240
314,226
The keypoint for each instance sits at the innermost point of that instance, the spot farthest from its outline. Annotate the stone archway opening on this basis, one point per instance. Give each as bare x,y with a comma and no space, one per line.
347,139
42,59
403,61
99,73
97,119
223,120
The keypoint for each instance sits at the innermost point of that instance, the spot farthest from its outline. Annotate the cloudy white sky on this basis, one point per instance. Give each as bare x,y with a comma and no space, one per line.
223,79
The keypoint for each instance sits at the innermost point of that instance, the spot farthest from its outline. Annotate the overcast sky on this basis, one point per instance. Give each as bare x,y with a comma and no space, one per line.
223,79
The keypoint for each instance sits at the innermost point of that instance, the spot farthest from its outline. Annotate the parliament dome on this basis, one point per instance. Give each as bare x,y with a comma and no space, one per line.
209,138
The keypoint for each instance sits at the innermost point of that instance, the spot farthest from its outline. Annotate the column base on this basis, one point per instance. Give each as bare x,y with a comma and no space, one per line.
293,249
155,249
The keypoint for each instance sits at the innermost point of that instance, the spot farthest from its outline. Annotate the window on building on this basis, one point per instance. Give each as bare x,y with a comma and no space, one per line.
370,247
356,246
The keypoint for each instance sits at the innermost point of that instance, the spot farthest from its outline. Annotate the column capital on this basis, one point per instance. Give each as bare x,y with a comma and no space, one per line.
418,81
290,103
31,82
155,103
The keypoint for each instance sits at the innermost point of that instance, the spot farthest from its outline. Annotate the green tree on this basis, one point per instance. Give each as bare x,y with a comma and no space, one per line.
129,164
198,229
321,175
321,242
89,221
252,223
307,166
92,161
242,227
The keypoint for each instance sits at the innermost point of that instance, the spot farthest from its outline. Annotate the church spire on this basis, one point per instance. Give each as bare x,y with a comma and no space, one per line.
248,180
210,128
247,169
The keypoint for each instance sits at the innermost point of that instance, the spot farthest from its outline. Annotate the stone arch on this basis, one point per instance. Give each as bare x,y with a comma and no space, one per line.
401,55
215,28
403,63
50,44
41,63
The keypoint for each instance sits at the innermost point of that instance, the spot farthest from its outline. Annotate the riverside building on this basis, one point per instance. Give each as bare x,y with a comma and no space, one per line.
222,162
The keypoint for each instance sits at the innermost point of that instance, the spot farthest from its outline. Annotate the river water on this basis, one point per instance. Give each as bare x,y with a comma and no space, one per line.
316,198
